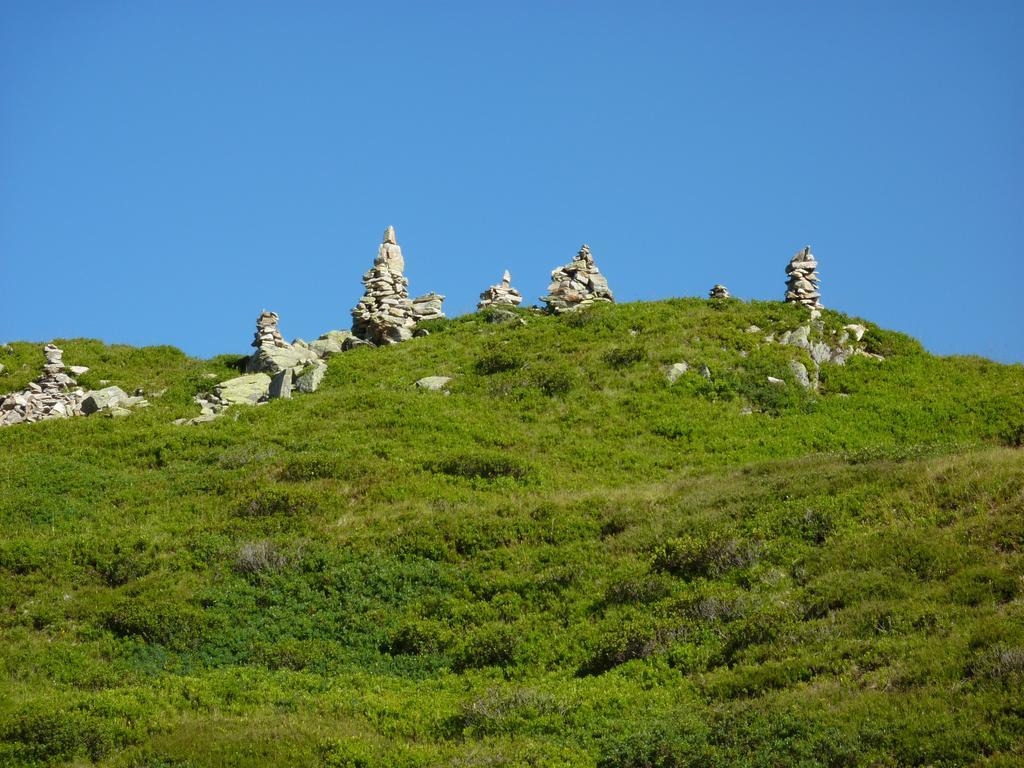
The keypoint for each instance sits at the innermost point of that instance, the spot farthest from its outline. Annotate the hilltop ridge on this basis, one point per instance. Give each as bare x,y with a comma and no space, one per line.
584,553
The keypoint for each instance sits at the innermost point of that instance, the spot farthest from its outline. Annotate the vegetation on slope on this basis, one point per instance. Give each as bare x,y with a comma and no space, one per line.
567,561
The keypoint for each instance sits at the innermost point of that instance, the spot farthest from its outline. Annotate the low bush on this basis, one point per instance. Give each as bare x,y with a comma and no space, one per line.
498,362
479,466
257,557
623,357
706,557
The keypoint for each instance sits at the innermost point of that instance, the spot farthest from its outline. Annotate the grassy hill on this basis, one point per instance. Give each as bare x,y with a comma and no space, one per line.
566,561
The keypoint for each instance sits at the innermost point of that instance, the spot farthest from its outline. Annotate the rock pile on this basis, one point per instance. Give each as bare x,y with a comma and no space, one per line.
56,395
803,281
385,315
503,294
719,291
427,307
578,284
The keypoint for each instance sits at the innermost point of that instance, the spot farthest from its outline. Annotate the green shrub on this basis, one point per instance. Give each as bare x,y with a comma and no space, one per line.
493,645
270,501
498,362
553,380
257,557
315,467
623,357
706,557
637,638
479,466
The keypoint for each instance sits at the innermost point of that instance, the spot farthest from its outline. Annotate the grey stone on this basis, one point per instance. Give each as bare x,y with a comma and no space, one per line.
244,390
77,370
857,330
433,383
272,359
281,385
309,380
800,374
675,371
108,397
705,372
773,380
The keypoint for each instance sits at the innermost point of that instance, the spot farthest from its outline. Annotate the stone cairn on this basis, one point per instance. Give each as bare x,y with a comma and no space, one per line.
267,331
501,295
802,283
719,291
54,395
427,307
385,314
578,284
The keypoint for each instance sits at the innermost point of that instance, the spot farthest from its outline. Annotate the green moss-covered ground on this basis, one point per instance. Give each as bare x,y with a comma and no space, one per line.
564,562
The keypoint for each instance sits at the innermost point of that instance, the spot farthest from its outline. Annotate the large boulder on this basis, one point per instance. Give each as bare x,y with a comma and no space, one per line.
244,390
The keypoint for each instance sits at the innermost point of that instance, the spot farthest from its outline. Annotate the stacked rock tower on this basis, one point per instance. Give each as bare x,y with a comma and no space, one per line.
577,284
501,295
719,291
802,283
267,331
385,315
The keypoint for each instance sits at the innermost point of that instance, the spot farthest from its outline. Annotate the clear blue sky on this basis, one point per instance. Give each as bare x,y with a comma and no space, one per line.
169,169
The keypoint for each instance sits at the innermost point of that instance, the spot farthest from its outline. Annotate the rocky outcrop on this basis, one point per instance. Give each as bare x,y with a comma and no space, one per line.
719,291
433,383
385,315
273,354
802,282
577,284
502,294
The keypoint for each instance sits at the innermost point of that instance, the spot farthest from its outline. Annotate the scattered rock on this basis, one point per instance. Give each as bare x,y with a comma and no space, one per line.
719,291
753,329
802,284
705,372
675,371
501,294
78,370
433,383
800,374
773,380
577,284
502,316
855,330
353,342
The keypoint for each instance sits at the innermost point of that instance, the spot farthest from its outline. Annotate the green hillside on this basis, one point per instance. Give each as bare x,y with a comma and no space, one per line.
565,561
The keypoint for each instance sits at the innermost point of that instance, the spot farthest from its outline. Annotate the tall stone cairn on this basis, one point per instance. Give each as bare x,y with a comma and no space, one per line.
384,314
501,295
802,283
719,291
267,331
578,284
